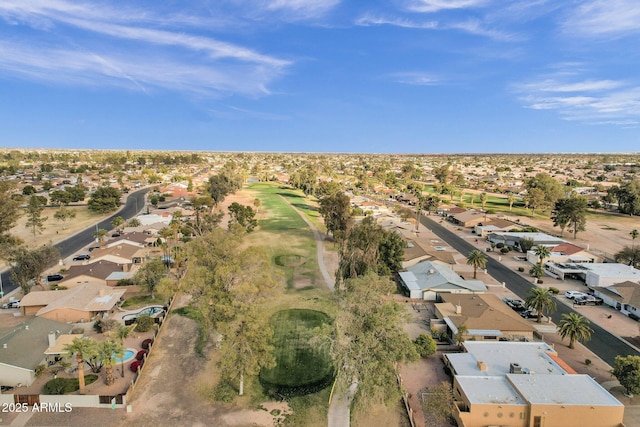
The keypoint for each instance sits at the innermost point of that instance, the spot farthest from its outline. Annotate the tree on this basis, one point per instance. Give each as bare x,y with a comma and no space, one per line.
549,187
571,211
629,255
257,203
10,211
541,300
536,271
60,197
574,327
63,214
117,222
368,340
477,260
83,348
28,190
245,347
511,198
150,274
242,215
460,334
108,351
105,199
542,252
121,332
134,222
432,203
628,196
526,243
535,199
335,209
100,234
78,192
221,185
35,220
484,197
425,345
29,264
438,404
634,235
627,370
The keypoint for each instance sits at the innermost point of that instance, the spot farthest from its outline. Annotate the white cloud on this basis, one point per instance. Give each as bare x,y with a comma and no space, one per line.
429,6
302,9
416,78
370,20
174,60
589,101
605,18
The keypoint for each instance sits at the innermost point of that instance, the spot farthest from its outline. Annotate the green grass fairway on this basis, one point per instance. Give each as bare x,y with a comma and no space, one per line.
301,367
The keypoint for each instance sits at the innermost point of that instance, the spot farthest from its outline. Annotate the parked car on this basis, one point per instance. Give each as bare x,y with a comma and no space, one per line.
11,304
54,277
529,314
574,294
515,304
155,311
81,257
116,234
93,248
588,300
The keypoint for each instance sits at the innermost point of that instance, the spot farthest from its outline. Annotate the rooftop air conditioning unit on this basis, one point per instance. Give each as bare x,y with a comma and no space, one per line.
515,368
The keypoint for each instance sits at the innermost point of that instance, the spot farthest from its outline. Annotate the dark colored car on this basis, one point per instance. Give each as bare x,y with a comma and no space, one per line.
515,304
81,257
116,234
529,314
93,248
54,277
588,300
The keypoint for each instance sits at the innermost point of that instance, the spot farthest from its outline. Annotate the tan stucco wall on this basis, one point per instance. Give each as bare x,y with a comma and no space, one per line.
11,376
31,310
578,415
494,415
68,315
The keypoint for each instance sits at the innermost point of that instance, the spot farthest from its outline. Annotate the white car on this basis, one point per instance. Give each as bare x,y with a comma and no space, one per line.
575,294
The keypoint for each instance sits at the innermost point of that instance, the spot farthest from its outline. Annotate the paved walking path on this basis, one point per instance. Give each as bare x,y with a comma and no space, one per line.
339,414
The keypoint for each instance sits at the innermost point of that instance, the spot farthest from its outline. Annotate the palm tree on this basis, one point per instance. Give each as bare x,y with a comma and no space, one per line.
575,327
121,333
629,255
542,252
541,300
134,222
108,351
100,234
536,271
483,199
117,222
83,348
477,260
511,198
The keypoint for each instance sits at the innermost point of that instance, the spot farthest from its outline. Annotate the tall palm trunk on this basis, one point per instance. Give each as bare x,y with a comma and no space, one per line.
110,378
241,391
80,361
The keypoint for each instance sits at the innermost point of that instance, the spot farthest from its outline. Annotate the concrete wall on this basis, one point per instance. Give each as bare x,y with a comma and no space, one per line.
68,315
11,376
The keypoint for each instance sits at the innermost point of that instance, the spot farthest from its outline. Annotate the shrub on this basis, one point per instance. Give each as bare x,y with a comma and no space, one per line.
102,326
146,344
224,391
521,269
66,385
540,281
553,290
425,345
141,354
144,323
587,362
504,250
77,330
125,282
500,245
135,365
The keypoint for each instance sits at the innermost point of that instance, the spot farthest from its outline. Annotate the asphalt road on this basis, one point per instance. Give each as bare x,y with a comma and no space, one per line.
603,343
135,203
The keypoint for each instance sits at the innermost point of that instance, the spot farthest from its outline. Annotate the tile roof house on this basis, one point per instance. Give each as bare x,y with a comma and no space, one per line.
485,316
565,252
80,304
22,349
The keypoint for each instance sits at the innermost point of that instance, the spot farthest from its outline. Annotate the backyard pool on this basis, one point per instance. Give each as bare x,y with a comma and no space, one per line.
128,355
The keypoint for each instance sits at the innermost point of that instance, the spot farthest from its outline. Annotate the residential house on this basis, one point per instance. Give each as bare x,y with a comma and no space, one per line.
495,225
22,349
565,253
595,274
80,304
623,296
428,279
485,317
96,273
120,254
525,384
513,239
468,218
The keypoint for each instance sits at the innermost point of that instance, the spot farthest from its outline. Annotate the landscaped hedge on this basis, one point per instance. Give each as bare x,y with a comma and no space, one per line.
135,365
146,344
66,385
141,354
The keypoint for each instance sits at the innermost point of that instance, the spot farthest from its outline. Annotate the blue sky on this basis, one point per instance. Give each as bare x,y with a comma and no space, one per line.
401,76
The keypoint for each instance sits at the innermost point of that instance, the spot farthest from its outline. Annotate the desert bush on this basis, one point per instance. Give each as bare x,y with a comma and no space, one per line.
135,365
141,354
144,323
66,385
554,290
500,245
77,330
504,250
521,269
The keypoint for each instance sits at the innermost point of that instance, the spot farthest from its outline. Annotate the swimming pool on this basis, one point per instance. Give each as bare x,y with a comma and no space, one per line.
128,355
